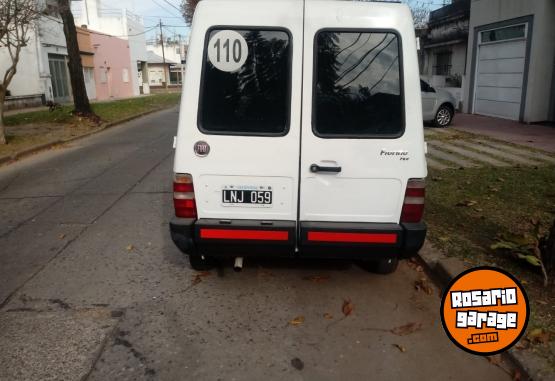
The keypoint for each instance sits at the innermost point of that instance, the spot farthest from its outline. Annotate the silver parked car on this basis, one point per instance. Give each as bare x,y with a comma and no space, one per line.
438,106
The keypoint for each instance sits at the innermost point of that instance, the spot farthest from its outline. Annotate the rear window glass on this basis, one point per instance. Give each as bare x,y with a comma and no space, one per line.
246,82
358,90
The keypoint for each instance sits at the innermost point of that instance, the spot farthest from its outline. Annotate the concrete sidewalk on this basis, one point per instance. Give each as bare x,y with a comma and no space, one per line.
532,135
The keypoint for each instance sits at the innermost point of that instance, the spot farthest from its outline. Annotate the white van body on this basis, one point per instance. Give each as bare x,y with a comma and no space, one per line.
330,191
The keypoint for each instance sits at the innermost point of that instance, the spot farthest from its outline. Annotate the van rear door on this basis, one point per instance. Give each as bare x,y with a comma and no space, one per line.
361,133
247,67
239,122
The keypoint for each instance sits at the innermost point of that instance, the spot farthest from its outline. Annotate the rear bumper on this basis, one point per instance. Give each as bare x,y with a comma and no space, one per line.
229,238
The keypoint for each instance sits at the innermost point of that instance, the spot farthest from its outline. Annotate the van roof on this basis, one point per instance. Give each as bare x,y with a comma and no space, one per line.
393,2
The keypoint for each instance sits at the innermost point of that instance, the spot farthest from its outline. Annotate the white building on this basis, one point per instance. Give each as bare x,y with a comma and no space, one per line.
175,53
42,68
103,17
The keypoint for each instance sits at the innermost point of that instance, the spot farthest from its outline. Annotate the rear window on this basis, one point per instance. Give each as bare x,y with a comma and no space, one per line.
245,87
358,88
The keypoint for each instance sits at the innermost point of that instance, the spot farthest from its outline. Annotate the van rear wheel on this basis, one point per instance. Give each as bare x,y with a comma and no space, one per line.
200,263
387,266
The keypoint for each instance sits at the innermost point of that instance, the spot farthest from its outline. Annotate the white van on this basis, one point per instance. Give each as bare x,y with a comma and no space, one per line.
300,133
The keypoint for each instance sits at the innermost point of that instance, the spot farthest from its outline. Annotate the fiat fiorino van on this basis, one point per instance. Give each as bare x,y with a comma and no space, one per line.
300,133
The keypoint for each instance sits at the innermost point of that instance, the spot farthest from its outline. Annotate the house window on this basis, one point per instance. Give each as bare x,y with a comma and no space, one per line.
443,63
125,75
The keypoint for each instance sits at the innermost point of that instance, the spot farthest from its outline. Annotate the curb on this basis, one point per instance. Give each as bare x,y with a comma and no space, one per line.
44,146
443,269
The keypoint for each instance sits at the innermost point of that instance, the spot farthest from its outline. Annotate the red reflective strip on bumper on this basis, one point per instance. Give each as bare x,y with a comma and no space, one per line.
353,237
261,235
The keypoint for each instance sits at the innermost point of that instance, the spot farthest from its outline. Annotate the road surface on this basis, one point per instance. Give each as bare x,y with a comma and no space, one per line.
91,287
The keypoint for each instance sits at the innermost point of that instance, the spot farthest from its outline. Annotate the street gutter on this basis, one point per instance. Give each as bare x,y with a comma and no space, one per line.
443,269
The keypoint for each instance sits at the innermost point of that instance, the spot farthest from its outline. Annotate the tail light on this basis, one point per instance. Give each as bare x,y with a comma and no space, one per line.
184,196
413,206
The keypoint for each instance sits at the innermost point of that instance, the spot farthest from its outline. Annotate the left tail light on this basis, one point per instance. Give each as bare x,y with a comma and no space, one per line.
184,196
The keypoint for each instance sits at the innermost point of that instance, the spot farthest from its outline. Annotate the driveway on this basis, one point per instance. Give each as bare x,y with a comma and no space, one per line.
91,287
531,135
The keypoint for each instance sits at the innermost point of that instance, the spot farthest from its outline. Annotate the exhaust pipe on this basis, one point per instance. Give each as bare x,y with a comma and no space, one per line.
238,266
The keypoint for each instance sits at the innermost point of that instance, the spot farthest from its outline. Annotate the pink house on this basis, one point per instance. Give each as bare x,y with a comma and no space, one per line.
112,67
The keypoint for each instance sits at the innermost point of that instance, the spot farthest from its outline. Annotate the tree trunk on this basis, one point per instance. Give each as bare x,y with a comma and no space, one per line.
80,99
2,129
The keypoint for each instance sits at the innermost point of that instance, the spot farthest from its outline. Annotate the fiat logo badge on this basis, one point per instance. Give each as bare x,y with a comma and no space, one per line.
202,148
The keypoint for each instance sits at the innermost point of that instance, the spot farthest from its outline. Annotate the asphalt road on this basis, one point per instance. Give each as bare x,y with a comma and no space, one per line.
91,287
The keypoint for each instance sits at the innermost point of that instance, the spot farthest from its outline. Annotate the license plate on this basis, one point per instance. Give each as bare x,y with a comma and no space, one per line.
240,196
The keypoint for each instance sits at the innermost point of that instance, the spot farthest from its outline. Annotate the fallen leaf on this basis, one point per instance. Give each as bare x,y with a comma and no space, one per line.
466,203
347,307
400,347
198,277
406,329
297,321
129,247
542,302
297,363
264,273
424,285
413,264
328,316
523,344
317,278
495,359
61,236
538,336
501,180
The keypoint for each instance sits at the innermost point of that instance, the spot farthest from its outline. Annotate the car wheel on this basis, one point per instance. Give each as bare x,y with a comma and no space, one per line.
387,266
199,263
444,116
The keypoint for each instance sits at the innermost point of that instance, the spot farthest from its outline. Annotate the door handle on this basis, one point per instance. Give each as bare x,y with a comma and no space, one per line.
317,168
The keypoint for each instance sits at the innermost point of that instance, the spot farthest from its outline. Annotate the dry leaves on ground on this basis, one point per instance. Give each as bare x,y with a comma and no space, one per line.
466,203
129,247
197,278
495,359
328,316
423,284
538,336
400,347
347,307
317,278
413,264
406,329
297,321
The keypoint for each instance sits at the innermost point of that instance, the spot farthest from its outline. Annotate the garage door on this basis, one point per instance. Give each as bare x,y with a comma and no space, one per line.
500,72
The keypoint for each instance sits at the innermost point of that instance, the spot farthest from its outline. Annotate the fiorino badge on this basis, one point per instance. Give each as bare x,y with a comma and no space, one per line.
484,311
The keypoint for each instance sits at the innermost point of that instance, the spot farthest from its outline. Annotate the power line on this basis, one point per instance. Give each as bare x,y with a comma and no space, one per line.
171,5
163,8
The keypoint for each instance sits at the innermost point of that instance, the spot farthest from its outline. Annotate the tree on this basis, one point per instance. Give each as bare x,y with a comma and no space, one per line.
188,9
16,17
77,79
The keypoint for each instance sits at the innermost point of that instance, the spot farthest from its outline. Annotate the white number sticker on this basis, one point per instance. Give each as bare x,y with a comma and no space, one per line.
227,50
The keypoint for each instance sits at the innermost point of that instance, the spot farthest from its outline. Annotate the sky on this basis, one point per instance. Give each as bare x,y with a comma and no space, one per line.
154,10
167,10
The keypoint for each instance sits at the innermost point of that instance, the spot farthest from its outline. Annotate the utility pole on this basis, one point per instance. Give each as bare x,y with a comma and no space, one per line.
163,56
